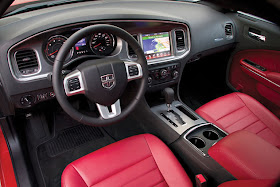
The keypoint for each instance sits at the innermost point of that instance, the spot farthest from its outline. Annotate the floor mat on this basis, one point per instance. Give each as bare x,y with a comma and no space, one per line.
67,146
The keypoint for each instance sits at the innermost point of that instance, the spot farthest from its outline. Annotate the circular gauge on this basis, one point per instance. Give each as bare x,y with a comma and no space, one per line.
53,45
102,43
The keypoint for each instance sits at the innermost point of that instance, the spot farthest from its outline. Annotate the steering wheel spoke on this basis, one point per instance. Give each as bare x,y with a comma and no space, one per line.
73,83
133,70
105,113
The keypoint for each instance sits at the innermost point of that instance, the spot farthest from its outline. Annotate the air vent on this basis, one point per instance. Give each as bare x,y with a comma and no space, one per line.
180,40
228,31
131,53
27,62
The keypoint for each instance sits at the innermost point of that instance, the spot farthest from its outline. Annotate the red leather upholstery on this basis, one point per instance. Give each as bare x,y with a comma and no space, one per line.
248,183
245,81
238,111
7,175
141,160
247,156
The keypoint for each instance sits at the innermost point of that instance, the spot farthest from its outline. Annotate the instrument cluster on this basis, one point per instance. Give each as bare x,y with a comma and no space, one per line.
101,44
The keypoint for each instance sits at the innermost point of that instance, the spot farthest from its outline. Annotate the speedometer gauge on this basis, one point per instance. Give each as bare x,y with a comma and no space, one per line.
53,45
102,43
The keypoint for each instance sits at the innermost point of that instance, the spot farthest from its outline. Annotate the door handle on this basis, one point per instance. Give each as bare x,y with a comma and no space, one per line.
257,36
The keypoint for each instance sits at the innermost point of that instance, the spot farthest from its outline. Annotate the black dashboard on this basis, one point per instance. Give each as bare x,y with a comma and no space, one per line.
171,38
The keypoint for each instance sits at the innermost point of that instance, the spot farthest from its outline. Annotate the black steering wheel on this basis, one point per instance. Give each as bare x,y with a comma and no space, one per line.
102,81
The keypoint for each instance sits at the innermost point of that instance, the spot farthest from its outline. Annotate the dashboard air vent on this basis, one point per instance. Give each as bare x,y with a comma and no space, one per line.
130,50
27,61
180,40
228,31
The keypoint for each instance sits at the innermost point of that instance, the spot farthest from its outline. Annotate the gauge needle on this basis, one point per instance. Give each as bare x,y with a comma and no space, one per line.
53,53
97,45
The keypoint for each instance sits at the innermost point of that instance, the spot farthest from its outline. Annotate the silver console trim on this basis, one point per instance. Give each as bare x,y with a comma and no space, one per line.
189,123
196,127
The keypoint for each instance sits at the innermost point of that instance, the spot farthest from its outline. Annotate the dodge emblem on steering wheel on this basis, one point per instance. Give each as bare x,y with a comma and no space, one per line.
108,81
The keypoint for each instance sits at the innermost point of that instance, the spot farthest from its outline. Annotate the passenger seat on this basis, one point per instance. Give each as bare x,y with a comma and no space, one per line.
238,111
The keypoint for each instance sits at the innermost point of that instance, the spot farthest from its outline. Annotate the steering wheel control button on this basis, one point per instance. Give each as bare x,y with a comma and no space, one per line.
133,70
74,84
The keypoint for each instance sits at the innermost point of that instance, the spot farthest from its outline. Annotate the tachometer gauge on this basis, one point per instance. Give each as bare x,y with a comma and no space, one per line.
53,45
102,43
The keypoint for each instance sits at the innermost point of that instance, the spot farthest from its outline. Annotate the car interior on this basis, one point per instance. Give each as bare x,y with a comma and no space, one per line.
139,93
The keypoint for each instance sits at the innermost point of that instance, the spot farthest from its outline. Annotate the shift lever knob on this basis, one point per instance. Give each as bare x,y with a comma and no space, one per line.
169,97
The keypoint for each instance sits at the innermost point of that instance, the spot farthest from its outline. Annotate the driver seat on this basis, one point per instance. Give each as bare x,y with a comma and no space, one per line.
141,160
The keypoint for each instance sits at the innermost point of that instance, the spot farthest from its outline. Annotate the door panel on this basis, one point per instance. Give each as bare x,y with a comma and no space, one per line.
257,73
254,68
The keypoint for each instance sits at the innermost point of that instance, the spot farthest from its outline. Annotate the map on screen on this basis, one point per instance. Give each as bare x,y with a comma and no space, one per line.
156,45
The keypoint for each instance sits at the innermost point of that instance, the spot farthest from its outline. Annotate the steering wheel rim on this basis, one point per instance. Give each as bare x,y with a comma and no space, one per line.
57,79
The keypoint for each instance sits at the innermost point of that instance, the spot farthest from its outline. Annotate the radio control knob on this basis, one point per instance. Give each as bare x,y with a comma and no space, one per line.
175,74
163,73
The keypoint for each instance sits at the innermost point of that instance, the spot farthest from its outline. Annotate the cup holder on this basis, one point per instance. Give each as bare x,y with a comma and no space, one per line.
199,143
211,135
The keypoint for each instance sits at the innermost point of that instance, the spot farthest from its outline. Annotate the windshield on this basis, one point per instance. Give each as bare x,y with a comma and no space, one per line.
267,9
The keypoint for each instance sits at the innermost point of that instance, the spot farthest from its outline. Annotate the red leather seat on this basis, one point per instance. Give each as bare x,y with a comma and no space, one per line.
141,160
249,183
238,111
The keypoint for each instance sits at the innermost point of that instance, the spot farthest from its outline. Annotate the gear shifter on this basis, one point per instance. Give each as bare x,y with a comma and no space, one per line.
169,97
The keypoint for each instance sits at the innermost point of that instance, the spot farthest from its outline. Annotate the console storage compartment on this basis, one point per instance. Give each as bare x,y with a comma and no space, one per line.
247,156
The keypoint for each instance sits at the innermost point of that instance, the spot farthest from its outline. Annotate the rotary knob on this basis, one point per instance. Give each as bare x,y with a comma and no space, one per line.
175,74
163,73
150,80
27,100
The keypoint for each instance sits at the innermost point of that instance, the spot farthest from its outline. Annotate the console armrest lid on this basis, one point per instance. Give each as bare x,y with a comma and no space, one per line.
247,156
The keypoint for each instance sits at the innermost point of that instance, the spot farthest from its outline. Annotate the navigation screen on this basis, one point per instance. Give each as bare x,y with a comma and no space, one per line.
156,45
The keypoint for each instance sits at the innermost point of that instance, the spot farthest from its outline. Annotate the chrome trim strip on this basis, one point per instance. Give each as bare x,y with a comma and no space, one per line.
254,17
261,76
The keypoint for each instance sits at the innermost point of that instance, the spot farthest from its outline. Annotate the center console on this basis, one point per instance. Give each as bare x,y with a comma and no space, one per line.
196,138
197,132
